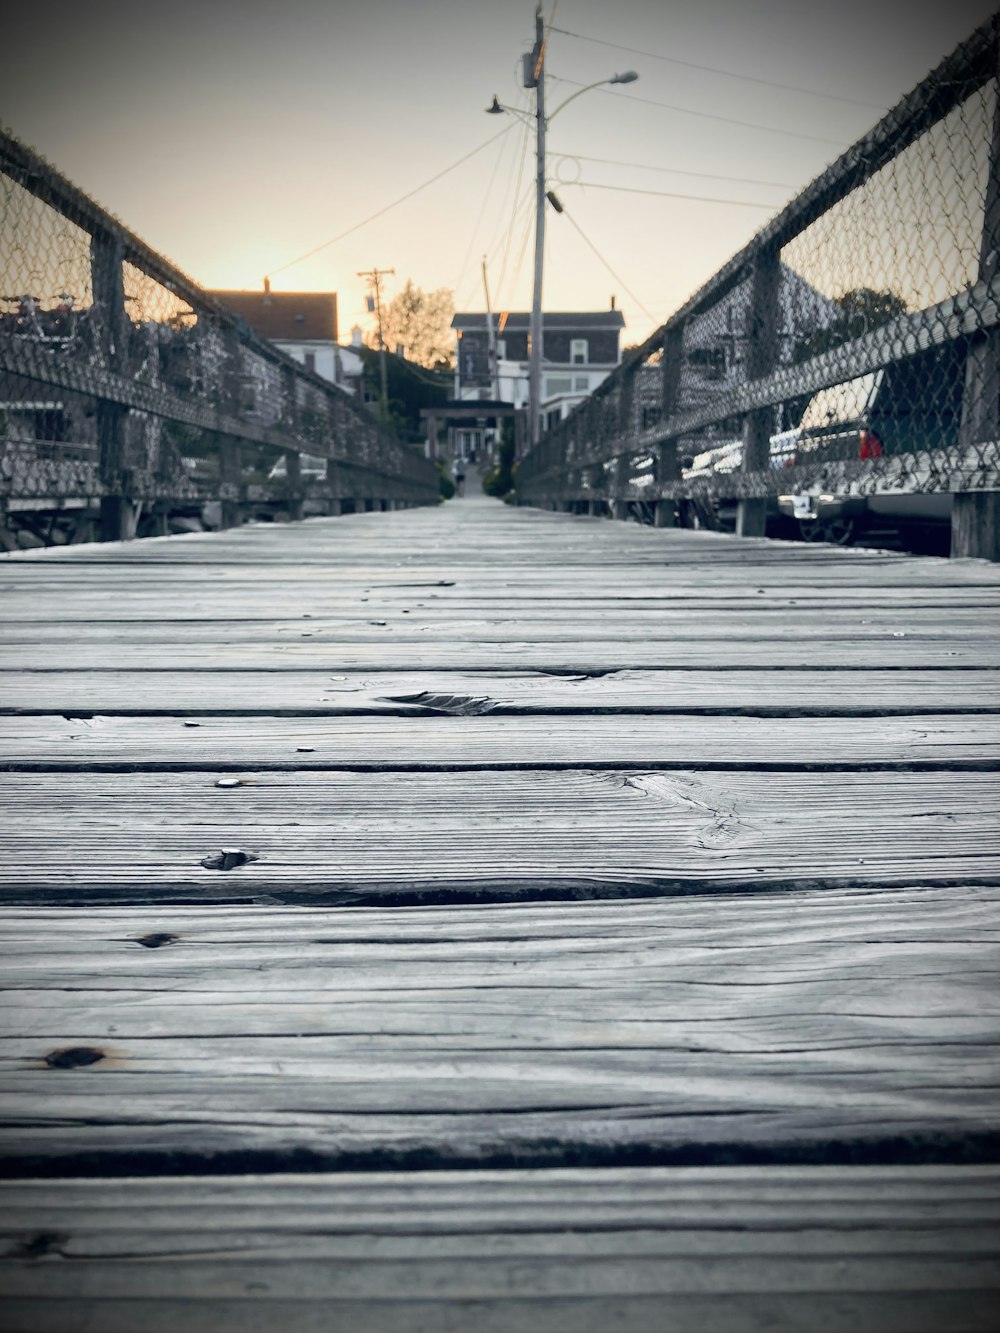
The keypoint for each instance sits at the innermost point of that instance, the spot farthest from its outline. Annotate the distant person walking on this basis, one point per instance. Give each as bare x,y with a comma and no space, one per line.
459,477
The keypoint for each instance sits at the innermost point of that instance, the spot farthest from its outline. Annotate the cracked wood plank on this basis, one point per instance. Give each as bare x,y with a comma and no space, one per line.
349,837
816,1025
434,741
864,1250
251,694
517,650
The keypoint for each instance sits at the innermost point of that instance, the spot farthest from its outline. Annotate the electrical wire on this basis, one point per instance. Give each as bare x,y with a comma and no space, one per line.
668,194
728,73
524,210
529,214
479,219
516,204
501,235
573,222
676,171
705,115
395,204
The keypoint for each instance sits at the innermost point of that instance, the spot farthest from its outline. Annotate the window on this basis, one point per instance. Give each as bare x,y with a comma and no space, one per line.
310,360
558,384
501,349
581,384
579,351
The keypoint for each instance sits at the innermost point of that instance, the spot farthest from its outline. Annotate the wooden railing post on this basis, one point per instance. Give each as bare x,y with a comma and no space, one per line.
230,451
625,431
975,515
293,457
117,521
230,481
762,352
667,470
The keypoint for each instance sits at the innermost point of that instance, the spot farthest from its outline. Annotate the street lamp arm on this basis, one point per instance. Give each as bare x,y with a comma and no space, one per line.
497,108
629,76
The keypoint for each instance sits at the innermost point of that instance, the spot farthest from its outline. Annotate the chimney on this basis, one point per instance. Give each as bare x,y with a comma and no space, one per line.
267,289
613,299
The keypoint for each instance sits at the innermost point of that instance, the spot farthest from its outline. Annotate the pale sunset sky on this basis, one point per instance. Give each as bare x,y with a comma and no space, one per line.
237,135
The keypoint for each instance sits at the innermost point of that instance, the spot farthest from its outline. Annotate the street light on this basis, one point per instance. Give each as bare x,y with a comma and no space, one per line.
535,77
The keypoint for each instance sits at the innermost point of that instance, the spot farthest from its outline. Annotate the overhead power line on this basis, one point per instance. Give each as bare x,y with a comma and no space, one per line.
395,204
728,73
677,171
591,246
668,194
479,219
706,115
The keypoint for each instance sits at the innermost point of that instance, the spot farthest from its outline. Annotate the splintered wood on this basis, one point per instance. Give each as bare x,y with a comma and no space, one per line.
644,884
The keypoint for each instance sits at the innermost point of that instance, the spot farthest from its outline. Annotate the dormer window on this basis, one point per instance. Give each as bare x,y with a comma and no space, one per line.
579,351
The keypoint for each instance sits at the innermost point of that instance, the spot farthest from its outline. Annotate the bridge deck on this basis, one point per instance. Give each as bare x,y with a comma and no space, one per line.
620,947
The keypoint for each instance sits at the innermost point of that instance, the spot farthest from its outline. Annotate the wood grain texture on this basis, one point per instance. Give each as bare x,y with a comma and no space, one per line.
775,1023
724,1250
318,693
382,651
353,837
431,741
670,893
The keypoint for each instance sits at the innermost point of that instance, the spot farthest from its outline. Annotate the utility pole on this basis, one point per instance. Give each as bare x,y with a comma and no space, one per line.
374,277
491,336
534,77
536,74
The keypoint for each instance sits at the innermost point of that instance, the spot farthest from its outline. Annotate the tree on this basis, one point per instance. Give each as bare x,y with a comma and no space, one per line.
421,322
410,387
860,310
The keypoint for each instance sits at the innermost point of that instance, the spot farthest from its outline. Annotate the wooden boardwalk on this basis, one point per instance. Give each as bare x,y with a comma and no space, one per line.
481,918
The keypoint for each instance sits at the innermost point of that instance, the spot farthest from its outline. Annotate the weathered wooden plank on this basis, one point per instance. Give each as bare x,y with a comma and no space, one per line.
386,651
686,1027
303,692
790,624
727,1250
26,605
348,837
606,741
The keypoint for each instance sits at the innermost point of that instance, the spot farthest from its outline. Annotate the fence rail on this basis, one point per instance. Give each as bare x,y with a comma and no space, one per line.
849,350
128,393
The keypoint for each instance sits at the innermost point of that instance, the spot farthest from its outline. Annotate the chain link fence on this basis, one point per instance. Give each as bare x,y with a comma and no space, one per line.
842,369
130,398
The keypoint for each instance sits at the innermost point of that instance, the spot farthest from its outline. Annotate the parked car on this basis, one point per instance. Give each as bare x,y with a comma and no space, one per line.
908,407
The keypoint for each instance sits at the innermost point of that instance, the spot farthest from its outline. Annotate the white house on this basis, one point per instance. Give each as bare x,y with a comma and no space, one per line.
303,324
580,349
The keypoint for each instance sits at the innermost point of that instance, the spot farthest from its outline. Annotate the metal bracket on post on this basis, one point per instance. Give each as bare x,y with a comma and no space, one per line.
762,351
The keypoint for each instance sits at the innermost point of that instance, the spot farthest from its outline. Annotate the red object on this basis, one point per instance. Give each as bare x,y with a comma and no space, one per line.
870,446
